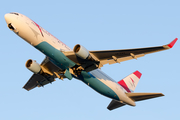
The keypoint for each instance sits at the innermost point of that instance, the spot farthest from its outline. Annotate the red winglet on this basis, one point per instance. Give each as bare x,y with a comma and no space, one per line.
172,43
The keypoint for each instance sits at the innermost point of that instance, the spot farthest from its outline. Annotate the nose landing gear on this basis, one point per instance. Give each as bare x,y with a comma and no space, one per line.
11,27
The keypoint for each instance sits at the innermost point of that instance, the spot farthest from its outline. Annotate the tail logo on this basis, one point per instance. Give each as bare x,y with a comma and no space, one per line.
133,83
129,83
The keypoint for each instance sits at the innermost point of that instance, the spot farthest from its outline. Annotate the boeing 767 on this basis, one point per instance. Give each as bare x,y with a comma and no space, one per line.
63,62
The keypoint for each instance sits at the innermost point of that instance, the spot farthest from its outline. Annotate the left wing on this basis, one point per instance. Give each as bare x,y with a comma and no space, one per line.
115,56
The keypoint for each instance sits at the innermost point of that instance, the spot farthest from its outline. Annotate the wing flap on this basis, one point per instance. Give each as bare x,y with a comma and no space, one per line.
118,60
49,67
143,96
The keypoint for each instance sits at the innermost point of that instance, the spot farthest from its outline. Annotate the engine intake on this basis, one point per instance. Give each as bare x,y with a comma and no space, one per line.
33,66
82,52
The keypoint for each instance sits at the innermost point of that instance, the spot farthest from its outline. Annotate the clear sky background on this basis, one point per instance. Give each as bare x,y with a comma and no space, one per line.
97,25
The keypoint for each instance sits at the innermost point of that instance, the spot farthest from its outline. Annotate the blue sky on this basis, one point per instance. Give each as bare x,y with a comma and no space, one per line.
97,25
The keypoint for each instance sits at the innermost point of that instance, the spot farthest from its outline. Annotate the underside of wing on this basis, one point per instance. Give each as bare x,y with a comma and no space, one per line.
37,80
100,58
48,73
117,56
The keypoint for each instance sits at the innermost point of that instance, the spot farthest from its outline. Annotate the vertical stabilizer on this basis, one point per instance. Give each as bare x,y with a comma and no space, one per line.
130,82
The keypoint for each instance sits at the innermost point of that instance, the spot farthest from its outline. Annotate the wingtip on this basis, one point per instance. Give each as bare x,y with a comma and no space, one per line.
138,74
170,45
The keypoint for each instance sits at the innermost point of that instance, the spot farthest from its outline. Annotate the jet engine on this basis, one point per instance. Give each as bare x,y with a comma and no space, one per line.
82,52
33,66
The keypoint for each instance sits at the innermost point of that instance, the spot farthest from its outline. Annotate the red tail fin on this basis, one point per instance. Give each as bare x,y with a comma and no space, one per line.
130,82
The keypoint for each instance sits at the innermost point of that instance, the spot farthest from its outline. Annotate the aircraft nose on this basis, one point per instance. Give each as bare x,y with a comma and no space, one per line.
7,18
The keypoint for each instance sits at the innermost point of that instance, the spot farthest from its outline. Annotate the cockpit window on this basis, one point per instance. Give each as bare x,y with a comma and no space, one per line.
14,13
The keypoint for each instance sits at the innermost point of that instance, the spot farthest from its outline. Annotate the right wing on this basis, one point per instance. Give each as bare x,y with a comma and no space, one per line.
37,80
50,72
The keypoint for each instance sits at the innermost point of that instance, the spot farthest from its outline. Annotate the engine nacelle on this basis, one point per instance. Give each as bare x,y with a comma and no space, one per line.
33,66
81,52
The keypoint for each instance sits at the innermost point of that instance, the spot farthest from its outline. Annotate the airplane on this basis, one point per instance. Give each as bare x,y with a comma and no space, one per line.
63,62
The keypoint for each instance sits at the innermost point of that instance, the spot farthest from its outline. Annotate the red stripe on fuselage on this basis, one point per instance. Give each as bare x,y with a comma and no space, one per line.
39,28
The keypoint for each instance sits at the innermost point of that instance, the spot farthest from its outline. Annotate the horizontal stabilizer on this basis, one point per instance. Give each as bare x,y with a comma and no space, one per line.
114,104
135,97
143,96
